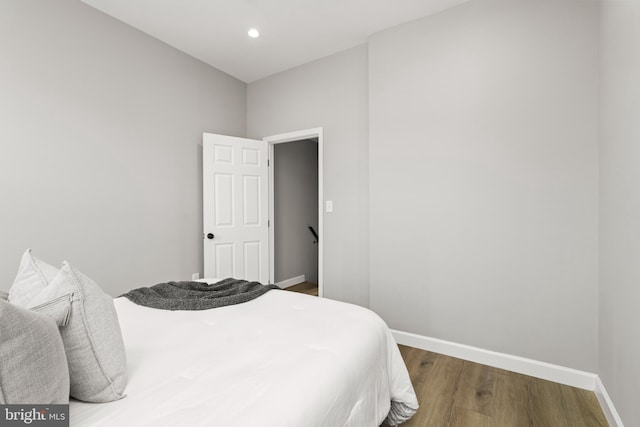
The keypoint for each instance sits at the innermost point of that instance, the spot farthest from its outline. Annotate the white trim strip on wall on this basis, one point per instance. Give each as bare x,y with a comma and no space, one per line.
290,282
521,365
613,418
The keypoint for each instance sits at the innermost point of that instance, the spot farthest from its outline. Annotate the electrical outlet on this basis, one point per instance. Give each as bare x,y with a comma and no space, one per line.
195,276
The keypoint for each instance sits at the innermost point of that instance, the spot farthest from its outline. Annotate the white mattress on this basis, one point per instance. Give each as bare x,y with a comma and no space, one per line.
283,359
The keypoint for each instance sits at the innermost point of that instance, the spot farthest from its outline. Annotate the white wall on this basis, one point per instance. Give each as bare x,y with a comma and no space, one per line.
483,178
100,144
295,182
620,206
332,93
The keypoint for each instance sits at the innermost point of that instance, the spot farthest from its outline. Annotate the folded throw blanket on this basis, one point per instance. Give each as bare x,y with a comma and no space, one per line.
197,295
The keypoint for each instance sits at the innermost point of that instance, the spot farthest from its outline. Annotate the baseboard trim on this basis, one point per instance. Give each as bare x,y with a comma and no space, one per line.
613,418
291,282
521,365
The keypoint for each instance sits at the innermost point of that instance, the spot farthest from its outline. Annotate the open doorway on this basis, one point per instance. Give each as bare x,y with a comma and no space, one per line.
295,188
295,214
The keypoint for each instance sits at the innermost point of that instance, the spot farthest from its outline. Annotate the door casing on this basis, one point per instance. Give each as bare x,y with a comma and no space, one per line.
290,137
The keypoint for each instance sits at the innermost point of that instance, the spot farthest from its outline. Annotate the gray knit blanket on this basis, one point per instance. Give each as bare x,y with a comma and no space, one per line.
197,295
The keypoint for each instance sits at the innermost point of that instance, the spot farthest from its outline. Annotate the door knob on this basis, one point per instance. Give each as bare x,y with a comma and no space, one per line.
210,236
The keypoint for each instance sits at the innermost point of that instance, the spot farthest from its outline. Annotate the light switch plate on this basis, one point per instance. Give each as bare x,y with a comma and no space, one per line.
329,206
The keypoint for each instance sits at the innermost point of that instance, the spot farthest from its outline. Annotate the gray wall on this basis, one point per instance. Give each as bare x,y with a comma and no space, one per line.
620,206
482,164
100,144
483,178
295,176
332,93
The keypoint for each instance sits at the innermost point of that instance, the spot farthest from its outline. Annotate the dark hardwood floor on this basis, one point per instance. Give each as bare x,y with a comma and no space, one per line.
458,393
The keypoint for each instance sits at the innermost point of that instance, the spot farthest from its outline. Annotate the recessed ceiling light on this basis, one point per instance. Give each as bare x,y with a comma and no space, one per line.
253,33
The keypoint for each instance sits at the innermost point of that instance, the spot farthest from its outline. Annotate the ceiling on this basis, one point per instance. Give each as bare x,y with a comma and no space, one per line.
293,32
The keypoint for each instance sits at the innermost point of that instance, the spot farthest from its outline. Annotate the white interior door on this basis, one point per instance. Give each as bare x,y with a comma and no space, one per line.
236,211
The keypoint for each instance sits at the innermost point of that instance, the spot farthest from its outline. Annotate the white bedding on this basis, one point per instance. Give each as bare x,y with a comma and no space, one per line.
283,359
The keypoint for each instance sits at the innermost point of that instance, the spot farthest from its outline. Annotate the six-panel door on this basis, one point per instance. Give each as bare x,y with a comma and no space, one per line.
235,208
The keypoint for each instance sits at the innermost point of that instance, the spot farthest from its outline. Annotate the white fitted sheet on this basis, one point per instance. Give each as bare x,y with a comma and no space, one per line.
283,359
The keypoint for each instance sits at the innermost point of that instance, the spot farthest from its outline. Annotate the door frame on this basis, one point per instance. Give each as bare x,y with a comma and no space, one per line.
291,137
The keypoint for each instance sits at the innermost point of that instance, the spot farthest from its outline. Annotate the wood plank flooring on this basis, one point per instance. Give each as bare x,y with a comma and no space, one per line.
458,393
304,288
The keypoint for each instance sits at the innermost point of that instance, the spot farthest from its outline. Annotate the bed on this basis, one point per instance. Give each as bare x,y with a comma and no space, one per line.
282,359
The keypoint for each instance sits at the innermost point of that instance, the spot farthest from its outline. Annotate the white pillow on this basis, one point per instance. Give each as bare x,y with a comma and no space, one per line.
33,276
90,332
34,367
